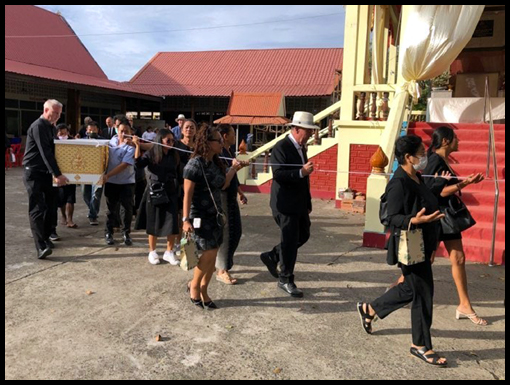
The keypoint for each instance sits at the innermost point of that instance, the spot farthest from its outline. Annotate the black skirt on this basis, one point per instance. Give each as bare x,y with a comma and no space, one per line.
159,221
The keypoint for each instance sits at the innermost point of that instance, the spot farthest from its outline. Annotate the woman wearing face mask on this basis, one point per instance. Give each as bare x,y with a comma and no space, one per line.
410,201
444,143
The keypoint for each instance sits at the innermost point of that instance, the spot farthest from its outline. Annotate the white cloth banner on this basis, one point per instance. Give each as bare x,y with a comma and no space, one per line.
464,110
433,38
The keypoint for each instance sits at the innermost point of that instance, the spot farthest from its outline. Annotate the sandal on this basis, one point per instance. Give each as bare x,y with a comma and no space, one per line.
421,354
196,302
226,278
72,225
472,317
367,326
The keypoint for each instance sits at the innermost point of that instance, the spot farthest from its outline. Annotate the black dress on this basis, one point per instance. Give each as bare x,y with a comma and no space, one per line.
161,220
437,165
210,235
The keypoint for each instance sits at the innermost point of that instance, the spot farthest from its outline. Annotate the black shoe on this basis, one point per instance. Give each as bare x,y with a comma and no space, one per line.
54,237
271,265
209,305
127,240
42,254
109,239
49,244
290,288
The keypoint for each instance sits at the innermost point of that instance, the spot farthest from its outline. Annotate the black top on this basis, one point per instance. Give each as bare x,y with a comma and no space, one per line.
437,165
184,156
234,184
40,148
202,205
290,194
406,199
167,171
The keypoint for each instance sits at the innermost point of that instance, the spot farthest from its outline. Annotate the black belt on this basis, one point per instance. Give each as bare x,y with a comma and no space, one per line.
37,170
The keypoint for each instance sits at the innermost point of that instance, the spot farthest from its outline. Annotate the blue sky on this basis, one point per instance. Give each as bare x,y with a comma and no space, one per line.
121,50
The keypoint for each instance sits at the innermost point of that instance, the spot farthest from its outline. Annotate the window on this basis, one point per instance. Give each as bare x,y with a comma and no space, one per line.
12,126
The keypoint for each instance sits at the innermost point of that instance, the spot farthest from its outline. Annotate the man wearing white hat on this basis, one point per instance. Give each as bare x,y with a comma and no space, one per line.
291,201
177,130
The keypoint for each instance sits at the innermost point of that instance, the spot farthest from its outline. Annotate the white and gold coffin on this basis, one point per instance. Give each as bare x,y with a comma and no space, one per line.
82,161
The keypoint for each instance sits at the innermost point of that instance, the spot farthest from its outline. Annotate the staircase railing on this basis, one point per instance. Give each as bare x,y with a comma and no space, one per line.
492,151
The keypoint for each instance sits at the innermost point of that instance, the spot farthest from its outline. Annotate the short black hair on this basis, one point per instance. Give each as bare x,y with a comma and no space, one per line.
410,144
62,126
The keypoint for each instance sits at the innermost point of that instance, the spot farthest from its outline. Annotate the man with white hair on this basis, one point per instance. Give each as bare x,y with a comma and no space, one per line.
177,130
291,201
40,170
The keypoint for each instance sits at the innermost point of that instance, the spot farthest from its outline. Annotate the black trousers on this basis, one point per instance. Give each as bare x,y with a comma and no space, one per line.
118,195
42,205
295,232
417,288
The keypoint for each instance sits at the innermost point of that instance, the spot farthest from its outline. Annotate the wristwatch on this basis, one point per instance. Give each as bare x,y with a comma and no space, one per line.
186,219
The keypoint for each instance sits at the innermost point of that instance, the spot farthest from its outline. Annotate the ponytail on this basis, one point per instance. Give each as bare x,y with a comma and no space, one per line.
440,134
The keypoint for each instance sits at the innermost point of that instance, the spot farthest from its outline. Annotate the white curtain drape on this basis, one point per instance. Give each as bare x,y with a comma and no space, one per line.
433,38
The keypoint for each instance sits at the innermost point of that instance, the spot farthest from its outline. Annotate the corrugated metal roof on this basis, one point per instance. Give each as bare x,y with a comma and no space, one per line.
252,104
255,109
66,54
252,121
60,59
293,72
68,77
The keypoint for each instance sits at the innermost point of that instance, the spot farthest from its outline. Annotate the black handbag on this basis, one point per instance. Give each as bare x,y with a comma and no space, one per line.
457,217
158,195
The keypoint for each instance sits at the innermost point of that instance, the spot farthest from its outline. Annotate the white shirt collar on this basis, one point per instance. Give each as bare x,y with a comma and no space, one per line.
298,146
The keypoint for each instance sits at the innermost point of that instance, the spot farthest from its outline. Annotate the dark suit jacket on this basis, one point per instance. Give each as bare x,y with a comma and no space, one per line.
406,199
290,194
105,134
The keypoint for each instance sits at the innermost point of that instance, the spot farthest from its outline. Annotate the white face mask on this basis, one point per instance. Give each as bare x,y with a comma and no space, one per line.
63,137
424,161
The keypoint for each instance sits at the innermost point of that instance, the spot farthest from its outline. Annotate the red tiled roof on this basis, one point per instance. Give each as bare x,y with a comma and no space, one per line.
68,77
66,54
60,59
252,121
257,104
255,109
293,72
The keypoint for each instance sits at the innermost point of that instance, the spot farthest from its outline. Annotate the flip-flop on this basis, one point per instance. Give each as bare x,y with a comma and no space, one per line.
73,226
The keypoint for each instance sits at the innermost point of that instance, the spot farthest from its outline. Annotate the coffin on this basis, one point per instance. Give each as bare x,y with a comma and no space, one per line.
82,161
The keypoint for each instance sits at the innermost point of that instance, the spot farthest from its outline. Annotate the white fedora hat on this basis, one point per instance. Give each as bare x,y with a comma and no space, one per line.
180,117
303,120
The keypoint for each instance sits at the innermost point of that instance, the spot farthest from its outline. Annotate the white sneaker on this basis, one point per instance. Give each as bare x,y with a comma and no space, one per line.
170,258
154,258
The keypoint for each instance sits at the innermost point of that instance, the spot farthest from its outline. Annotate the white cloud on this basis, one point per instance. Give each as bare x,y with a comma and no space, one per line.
121,56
